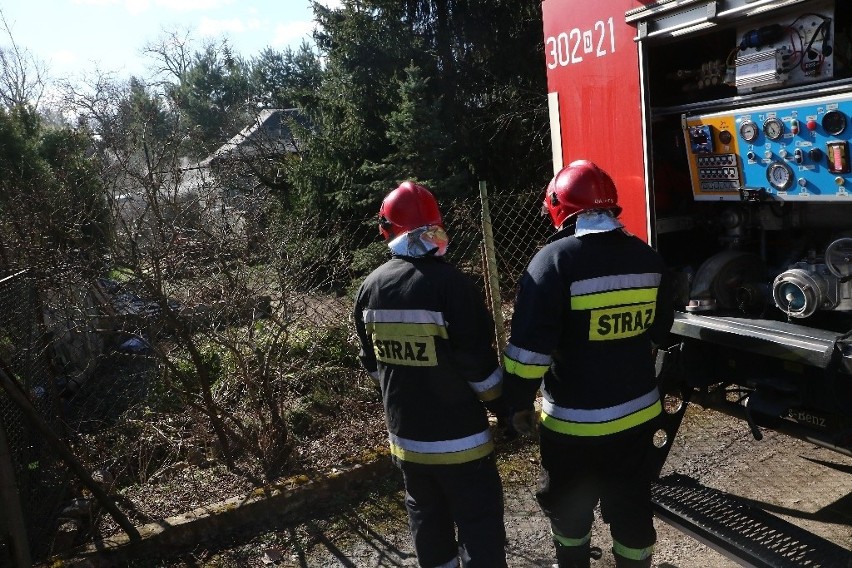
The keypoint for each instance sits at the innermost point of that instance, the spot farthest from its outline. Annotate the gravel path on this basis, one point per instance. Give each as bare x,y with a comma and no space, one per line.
529,542
801,483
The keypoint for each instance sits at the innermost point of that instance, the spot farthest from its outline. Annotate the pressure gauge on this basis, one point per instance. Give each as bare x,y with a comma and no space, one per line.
779,175
749,130
773,128
834,122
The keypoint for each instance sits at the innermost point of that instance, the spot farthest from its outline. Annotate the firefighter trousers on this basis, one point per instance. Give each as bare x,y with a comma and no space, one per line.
576,476
468,496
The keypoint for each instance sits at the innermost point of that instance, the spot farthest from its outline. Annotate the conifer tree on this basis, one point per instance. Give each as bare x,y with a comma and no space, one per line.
475,109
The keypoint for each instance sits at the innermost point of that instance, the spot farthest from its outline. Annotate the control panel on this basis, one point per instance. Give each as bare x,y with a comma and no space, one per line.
797,151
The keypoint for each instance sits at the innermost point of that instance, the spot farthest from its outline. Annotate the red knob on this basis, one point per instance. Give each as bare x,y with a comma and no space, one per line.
812,125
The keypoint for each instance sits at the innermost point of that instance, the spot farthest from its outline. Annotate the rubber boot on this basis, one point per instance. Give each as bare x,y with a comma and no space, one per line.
622,562
573,556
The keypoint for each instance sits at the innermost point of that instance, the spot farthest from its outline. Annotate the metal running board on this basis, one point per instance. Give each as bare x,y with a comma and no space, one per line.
744,533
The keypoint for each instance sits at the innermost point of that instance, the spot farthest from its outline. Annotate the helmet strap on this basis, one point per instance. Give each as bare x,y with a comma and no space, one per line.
387,226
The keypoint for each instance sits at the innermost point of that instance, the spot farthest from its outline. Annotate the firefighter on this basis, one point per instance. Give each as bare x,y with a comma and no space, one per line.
427,338
590,306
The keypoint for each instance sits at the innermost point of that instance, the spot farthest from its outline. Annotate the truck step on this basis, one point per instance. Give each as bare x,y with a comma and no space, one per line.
742,532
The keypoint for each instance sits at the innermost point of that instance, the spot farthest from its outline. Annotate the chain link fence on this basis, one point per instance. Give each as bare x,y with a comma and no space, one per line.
113,398
42,484
325,264
87,353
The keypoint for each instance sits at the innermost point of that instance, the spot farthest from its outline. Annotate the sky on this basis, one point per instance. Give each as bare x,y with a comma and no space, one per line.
75,37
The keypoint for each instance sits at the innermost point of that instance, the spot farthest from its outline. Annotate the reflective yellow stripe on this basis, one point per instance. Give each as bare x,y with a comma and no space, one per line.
601,428
613,298
600,415
443,457
525,363
490,387
632,553
535,372
442,446
490,394
398,329
565,541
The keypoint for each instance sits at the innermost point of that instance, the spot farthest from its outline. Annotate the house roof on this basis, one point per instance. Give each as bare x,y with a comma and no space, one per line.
268,135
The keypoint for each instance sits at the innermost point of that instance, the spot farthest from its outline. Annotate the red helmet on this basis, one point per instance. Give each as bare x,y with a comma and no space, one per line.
406,208
579,186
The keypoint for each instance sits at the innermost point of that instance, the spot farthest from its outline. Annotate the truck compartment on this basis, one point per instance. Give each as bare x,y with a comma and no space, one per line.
749,124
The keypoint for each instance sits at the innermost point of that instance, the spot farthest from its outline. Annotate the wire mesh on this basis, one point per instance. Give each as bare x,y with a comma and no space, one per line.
41,479
118,413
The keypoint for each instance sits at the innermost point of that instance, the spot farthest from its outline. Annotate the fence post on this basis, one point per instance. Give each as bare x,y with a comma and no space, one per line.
13,523
492,275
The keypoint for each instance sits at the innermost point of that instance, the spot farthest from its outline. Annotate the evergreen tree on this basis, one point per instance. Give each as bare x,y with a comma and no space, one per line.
365,56
51,198
213,97
285,79
479,83
421,148
139,122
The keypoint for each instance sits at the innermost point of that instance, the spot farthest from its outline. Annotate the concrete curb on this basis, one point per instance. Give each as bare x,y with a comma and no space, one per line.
286,500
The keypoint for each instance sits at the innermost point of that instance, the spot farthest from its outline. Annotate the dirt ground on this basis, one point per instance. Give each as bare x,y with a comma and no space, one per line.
806,485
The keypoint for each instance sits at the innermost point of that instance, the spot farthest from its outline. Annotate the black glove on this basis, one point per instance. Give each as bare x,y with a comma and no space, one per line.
525,422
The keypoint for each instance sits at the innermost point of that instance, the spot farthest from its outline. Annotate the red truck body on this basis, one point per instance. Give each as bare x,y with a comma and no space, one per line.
593,75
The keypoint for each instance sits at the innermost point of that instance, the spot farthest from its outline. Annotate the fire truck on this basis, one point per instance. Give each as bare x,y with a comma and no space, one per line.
726,126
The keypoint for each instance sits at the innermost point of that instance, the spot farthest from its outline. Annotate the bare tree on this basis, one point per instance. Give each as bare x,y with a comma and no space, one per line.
189,245
171,54
23,77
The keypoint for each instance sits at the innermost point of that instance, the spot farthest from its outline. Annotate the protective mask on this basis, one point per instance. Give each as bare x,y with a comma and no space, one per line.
421,241
596,222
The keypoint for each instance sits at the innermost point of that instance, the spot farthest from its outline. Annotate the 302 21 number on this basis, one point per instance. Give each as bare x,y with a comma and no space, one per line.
569,48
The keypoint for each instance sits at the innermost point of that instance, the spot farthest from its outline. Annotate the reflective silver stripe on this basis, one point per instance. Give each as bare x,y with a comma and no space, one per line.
597,415
490,382
527,357
442,446
404,316
616,282
454,563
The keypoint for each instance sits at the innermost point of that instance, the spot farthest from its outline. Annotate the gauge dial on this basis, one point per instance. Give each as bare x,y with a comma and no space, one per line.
779,176
773,128
834,122
749,130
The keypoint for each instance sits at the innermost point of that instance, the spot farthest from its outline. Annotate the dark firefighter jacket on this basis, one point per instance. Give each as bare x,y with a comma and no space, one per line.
588,309
426,336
